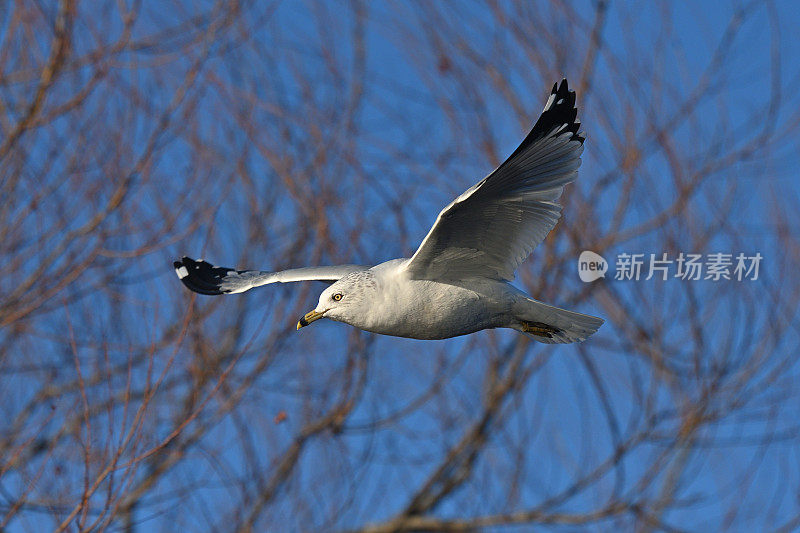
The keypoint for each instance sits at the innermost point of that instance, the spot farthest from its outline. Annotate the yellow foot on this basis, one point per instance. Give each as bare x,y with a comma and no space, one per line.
540,329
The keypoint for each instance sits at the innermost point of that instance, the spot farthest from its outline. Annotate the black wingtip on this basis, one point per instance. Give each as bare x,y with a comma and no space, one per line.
559,112
562,110
200,276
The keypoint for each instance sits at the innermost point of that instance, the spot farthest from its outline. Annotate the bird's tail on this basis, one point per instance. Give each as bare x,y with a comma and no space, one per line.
553,325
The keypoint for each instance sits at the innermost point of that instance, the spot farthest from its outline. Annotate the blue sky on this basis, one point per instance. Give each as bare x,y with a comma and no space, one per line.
417,146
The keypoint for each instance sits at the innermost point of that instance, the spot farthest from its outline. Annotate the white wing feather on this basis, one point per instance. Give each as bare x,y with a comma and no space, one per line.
205,278
494,225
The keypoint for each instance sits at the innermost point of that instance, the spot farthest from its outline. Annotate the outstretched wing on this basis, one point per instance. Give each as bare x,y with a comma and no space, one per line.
495,225
206,278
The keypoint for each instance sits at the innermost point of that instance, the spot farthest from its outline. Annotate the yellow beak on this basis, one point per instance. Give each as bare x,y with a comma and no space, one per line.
309,317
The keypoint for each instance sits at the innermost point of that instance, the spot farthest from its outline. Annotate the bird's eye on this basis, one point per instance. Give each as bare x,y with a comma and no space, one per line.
337,296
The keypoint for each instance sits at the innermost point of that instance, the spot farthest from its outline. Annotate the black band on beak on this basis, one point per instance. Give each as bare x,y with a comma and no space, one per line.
309,317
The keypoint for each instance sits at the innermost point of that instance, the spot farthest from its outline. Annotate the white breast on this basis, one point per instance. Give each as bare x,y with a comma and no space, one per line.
424,309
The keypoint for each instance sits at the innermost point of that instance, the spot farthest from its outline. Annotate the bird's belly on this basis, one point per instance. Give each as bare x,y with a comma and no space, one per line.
433,310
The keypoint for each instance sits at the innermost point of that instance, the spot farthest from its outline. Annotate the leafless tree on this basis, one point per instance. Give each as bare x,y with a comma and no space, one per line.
273,135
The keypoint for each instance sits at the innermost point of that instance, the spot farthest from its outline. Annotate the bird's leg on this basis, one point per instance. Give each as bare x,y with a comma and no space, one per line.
539,328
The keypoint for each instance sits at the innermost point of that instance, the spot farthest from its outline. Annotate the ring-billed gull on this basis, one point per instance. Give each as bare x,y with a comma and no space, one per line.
457,282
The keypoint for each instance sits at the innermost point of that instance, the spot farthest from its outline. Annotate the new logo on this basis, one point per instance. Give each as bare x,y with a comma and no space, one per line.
591,266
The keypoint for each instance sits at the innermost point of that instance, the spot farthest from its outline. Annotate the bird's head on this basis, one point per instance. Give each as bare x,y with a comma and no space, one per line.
349,300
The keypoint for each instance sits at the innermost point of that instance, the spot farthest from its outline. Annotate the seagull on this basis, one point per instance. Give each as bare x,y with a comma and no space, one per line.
458,280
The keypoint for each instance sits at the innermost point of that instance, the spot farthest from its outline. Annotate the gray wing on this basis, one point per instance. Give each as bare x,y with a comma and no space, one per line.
205,278
495,225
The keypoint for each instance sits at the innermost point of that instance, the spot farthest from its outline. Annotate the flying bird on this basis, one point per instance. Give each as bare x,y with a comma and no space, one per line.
457,282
